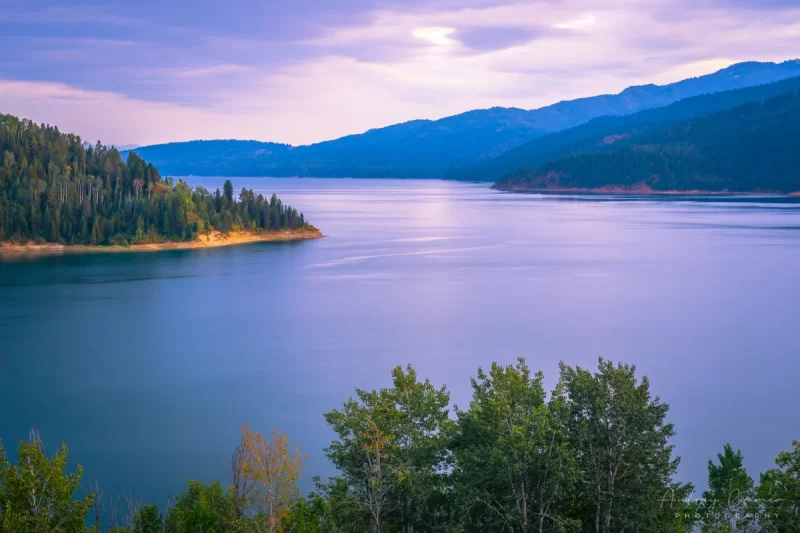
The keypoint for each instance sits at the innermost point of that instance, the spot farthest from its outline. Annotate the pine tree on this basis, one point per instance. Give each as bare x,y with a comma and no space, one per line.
55,189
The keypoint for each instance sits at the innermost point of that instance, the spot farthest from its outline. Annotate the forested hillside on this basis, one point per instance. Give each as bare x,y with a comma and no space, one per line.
55,188
753,147
225,157
435,148
606,131
595,455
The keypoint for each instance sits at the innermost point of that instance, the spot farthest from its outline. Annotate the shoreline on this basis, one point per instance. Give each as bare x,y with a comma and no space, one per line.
621,191
214,239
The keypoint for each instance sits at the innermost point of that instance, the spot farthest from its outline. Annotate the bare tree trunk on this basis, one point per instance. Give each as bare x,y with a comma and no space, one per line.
597,519
524,496
165,514
36,503
97,505
541,518
241,486
133,512
112,523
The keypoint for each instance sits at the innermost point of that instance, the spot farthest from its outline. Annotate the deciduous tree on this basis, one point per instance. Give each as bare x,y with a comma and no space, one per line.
625,455
38,494
391,451
515,470
779,493
273,468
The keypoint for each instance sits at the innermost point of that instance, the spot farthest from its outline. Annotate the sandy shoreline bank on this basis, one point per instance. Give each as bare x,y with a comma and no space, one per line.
215,239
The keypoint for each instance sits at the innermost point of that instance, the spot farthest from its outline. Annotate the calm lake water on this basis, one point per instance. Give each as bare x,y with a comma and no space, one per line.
148,364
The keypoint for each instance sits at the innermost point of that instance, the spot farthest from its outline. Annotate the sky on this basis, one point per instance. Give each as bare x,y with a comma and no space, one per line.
303,71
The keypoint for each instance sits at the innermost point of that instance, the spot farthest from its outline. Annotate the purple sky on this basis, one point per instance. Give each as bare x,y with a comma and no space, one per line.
301,71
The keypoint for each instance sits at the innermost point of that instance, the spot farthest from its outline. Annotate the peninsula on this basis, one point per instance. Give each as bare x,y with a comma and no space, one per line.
214,239
59,194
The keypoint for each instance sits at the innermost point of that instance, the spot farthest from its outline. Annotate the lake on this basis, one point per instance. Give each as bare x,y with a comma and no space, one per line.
147,364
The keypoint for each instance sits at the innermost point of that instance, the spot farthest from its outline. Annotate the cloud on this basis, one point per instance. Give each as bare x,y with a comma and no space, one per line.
691,70
310,70
435,35
485,38
213,71
96,115
583,22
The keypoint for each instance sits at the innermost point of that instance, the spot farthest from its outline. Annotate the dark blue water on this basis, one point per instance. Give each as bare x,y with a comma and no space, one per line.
147,364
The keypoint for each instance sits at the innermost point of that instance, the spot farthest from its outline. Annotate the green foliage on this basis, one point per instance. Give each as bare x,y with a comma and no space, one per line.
38,494
228,190
338,507
306,515
391,450
730,489
204,508
779,493
593,457
751,147
148,520
515,469
625,457
53,188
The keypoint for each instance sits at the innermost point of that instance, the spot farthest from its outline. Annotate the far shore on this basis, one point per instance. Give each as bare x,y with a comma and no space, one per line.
214,239
639,191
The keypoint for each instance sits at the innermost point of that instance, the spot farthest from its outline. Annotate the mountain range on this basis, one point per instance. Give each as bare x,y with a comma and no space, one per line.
748,148
464,146
603,132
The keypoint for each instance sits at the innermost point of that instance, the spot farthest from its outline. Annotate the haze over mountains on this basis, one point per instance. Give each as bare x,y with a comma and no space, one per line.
450,146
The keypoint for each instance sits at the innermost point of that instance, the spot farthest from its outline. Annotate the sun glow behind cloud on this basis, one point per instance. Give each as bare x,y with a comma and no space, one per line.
436,35
583,22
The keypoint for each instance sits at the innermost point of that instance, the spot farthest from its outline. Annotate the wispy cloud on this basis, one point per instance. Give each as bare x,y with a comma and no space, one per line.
213,71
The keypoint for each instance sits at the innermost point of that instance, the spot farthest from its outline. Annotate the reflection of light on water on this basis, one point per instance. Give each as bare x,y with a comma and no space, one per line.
367,276
362,258
423,239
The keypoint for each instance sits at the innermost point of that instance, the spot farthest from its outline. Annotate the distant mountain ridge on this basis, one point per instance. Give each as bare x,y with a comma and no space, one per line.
227,157
435,148
749,148
610,129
